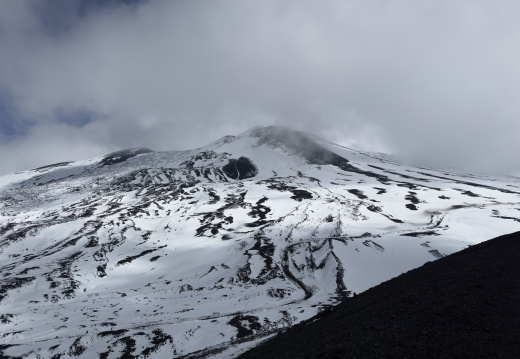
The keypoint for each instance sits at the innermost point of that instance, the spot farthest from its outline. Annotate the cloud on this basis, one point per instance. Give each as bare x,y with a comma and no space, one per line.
434,80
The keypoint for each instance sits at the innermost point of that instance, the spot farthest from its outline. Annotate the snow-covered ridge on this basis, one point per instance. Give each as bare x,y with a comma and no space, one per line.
204,252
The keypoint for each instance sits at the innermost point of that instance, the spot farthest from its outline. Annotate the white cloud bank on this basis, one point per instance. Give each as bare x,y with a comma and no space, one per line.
435,80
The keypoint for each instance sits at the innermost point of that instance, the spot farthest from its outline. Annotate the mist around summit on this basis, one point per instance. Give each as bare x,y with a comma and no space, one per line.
434,81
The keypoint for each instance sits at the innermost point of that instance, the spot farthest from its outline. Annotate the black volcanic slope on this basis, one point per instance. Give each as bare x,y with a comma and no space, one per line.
121,156
466,305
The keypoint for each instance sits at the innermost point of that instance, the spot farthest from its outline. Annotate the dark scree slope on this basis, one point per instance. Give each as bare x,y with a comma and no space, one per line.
466,305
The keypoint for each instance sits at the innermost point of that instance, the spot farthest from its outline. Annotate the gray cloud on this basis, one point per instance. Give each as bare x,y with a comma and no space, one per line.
436,81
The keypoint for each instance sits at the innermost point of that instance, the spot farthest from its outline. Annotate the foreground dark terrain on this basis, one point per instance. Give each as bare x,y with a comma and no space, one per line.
466,305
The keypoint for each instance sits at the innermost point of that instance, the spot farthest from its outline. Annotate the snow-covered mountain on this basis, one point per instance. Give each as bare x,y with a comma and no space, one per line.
204,253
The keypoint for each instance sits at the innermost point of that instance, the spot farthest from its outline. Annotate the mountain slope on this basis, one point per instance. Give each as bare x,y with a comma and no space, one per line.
201,253
461,306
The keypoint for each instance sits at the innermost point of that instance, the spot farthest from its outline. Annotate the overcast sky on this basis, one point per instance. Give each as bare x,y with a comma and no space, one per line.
435,80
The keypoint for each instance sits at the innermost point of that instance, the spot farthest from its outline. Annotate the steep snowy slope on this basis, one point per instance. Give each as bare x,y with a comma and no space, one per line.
203,253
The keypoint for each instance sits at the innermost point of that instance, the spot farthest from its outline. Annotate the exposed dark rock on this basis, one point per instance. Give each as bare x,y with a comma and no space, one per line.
76,349
158,340
298,194
240,169
411,206
359,194
374,208
121,156
301,194
411,196
131,258
511,218
246,325
469,193
13,283
49,167
6,318
420,234
380,190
